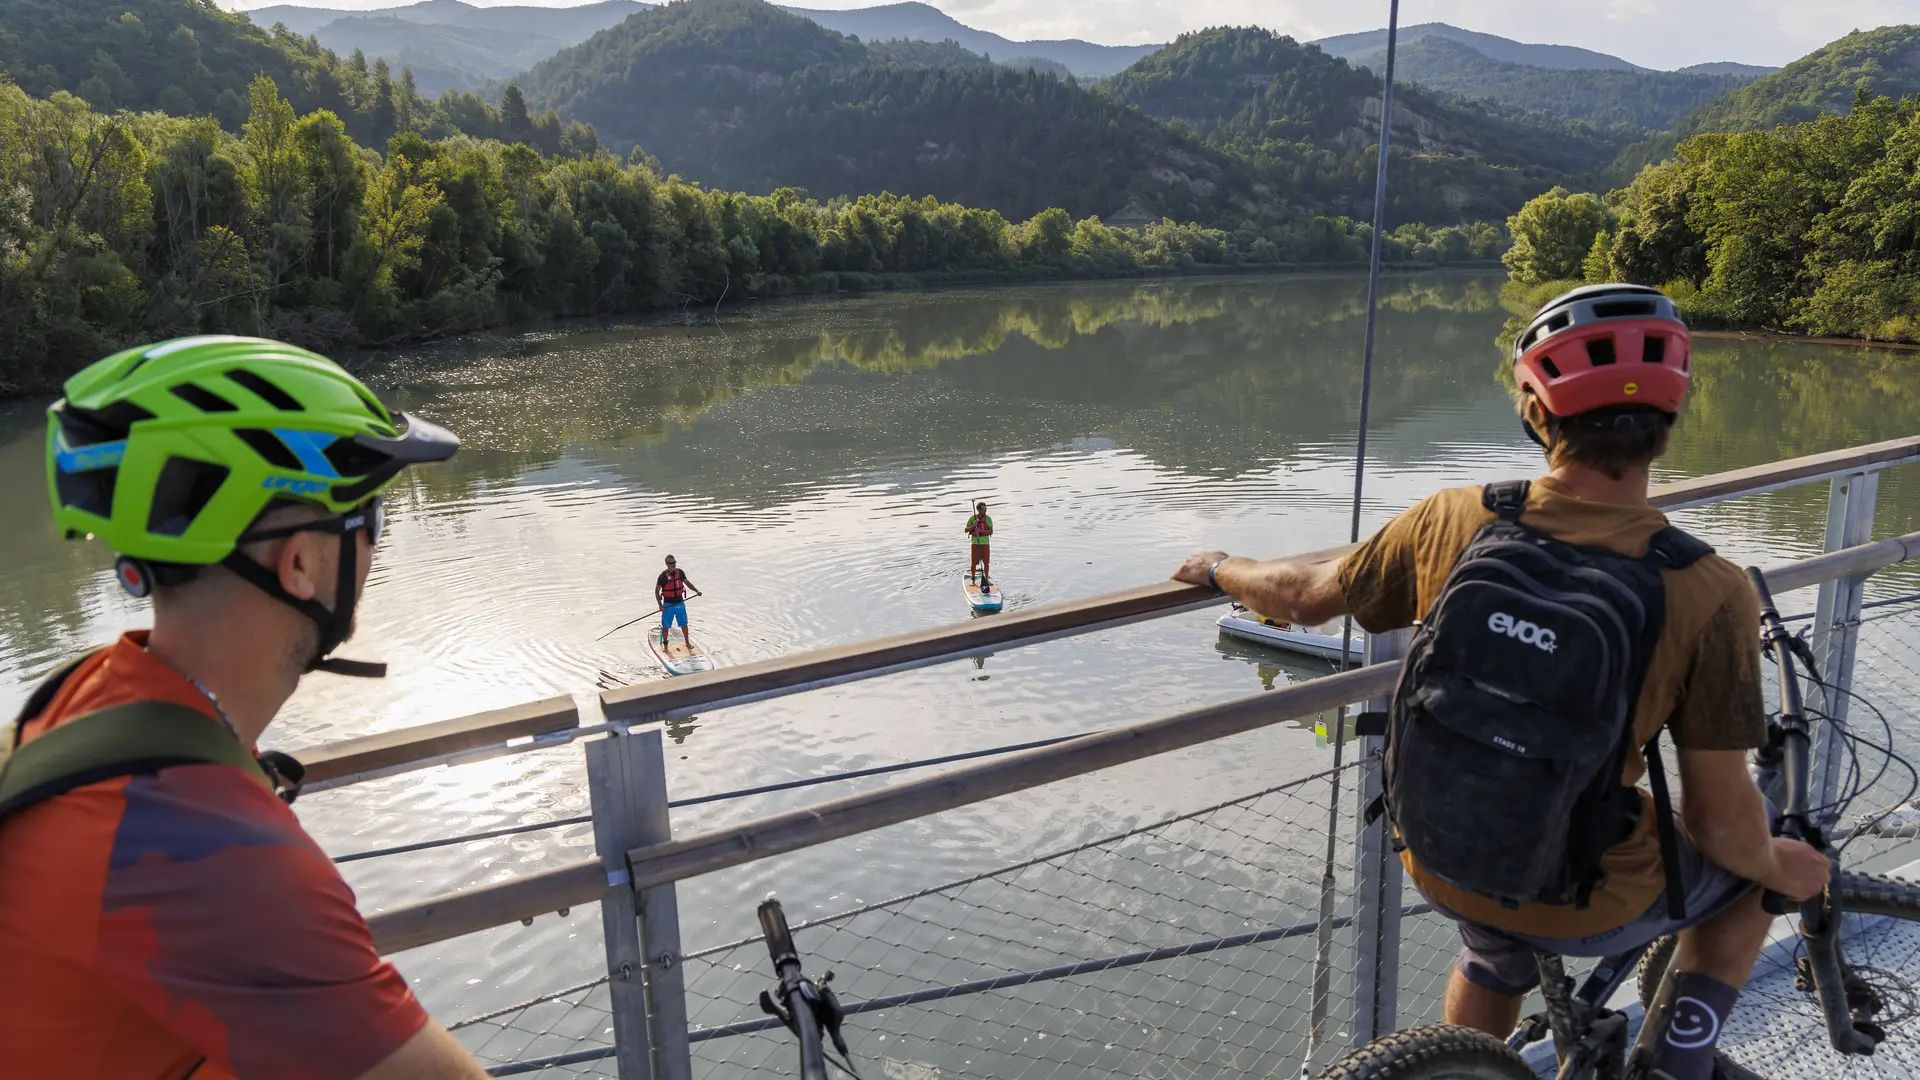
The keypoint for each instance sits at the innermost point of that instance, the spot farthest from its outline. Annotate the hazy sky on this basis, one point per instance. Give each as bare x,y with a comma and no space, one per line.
1656,33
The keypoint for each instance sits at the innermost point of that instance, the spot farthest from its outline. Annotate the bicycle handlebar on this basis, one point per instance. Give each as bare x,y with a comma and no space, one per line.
797,994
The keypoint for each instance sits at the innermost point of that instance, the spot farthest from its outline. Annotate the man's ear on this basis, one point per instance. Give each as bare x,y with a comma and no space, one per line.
299,564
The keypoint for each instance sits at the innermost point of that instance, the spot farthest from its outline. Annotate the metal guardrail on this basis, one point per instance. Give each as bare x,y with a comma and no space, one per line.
636,884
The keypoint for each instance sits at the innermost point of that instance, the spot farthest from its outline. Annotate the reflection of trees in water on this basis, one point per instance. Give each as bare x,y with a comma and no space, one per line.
1221,347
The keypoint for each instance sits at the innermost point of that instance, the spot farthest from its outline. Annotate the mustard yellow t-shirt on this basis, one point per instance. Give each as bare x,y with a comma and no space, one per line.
1703,683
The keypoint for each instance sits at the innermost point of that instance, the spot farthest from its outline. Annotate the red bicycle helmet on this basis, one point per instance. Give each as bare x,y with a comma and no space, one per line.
1605,345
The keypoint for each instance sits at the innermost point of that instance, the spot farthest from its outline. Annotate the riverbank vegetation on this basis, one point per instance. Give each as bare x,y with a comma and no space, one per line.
127,227
1811,228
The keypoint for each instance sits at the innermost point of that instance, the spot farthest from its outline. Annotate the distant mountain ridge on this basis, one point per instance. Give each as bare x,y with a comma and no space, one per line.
569,24
924,22
1506,50
1878,63
1653,100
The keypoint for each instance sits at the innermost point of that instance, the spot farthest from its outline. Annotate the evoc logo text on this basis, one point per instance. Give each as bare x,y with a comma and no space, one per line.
1535,635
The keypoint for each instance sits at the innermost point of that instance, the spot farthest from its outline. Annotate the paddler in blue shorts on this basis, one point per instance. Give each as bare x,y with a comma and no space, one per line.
670,591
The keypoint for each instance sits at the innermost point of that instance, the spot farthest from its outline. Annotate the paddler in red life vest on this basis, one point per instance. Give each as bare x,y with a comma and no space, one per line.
980,527
670,591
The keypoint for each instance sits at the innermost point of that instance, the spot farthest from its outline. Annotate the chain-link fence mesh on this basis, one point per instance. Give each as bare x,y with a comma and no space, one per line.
573,1023
1188,947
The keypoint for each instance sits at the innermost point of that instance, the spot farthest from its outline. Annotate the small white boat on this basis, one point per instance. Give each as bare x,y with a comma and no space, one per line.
1308,641
983,600
675,656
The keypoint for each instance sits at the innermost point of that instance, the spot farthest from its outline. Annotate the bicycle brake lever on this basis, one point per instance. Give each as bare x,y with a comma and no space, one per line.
768,1006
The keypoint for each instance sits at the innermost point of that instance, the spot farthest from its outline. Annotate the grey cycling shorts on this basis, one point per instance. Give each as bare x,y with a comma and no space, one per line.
1502,961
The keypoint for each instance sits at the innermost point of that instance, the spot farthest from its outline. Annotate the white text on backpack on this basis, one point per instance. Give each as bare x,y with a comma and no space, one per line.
1537,636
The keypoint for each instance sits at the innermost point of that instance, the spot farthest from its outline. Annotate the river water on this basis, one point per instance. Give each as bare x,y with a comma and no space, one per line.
811,464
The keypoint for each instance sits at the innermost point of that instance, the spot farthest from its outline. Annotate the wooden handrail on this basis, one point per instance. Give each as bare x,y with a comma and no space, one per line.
783,675
1779,474
335,760
868,659
472,910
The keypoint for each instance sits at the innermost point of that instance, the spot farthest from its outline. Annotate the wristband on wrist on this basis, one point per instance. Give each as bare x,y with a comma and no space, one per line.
1216,565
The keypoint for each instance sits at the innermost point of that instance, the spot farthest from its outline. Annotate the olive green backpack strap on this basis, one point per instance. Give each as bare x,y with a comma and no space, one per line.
125,740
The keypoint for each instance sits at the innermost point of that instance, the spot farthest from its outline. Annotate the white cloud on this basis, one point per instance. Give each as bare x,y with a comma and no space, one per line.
1656,33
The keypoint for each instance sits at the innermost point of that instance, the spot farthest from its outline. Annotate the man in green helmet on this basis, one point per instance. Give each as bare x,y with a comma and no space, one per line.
162,912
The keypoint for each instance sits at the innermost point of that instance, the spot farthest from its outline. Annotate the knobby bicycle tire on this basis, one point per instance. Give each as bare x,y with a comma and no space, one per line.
1860,894
1432,1052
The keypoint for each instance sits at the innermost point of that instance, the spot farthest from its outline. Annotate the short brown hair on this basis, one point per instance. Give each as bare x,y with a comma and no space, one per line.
1612,440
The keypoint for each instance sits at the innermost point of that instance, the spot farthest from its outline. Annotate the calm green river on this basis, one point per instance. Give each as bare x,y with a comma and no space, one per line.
811,465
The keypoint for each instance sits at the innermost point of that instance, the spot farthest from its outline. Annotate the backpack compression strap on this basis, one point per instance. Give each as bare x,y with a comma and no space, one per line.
1672,548
126,740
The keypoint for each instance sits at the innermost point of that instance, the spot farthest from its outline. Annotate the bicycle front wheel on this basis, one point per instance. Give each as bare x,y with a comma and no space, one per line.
1777,1028
1432,1052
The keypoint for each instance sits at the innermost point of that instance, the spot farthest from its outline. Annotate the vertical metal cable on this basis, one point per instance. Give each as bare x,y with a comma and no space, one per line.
1323,952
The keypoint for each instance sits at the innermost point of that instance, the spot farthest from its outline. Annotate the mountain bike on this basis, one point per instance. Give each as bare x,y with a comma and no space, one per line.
810,1010
1855,1002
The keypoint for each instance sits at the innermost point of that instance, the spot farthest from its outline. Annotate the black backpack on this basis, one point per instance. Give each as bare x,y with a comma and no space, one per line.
137,738
1513,716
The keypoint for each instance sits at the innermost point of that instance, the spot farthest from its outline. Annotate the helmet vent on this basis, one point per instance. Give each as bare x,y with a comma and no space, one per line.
185,488
84,427
203,399
1622,309
269,446
1600,352
1653,349
265,390
1552,369
90,491
352,459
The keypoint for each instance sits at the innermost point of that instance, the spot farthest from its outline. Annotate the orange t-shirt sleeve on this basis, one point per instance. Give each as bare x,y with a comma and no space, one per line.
222,920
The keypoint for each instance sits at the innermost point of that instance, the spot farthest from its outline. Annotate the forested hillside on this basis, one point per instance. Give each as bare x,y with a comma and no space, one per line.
741,94
188,58
1655,100
184,56
1862,65
1306,121
1812,227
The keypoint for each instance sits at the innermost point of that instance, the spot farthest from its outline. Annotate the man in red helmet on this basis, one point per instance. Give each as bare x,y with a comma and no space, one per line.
1601,374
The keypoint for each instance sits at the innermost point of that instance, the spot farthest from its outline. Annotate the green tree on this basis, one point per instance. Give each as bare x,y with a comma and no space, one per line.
1552,235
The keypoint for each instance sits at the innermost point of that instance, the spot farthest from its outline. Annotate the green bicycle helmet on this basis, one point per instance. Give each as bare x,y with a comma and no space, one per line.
171,452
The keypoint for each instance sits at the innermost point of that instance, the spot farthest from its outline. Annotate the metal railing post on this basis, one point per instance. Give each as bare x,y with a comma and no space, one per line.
1850,507
626,777
1377,875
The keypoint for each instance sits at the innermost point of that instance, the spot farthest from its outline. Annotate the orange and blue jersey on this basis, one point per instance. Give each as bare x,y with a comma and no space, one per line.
181,923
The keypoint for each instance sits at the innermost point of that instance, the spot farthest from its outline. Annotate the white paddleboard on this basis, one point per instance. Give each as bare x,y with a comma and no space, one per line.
674,655
988,600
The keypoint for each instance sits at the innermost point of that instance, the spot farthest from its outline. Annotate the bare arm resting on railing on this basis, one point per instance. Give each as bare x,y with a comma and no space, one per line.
431,1054
1286,590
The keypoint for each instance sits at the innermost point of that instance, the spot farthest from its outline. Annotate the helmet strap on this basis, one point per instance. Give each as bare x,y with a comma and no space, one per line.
334,624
